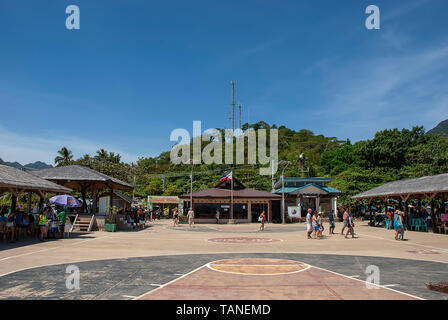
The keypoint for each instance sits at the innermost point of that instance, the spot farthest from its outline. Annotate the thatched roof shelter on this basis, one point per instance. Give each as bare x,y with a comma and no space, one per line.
79,177
428,187
15,181
83,179
420,187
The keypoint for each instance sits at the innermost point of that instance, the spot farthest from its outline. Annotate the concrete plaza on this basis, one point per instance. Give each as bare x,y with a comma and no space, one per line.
226,262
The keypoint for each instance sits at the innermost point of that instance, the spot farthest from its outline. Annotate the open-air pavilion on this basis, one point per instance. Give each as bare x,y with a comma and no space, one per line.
84,179
17,181
402,191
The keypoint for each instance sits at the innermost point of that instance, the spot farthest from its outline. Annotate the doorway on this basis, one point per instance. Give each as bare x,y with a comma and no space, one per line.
257,209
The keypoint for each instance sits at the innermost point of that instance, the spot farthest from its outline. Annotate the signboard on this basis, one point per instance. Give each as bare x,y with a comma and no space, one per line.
294,212
164,199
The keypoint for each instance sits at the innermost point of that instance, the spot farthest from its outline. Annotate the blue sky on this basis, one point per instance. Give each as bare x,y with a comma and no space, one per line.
138,69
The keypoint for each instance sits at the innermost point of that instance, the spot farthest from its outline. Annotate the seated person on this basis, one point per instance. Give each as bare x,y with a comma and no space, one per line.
10,225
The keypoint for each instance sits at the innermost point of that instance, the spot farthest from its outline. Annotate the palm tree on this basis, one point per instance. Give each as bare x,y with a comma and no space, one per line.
65,157
102,155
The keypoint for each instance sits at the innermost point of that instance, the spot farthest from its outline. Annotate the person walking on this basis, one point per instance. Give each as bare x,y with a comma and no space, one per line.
175,218
320,224
262,219
331,219
309,228
345,219
217,216
315,225
398,225
43,225
10,225
190,217
351,226
62,216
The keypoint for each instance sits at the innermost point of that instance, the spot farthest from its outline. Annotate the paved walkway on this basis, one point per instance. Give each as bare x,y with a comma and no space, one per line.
161,239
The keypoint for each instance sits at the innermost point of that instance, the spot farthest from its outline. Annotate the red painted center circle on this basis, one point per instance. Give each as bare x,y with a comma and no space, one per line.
243,240
423,251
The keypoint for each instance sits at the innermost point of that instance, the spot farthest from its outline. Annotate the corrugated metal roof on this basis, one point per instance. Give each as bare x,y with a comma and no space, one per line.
291,190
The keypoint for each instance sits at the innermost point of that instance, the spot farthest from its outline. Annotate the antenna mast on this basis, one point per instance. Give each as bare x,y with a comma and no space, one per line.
232,83
240,106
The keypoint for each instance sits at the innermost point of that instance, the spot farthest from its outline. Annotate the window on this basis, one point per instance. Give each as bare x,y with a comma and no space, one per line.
208,210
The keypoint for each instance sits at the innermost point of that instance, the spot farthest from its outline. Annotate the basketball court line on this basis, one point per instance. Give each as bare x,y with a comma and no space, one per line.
404,242
52,248
276,241
370,284
386,287
169,282
296,263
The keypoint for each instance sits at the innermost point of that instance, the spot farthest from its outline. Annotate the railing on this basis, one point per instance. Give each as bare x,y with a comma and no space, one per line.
74,223
91,223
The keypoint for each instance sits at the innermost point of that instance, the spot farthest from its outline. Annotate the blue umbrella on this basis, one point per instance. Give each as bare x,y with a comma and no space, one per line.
65,200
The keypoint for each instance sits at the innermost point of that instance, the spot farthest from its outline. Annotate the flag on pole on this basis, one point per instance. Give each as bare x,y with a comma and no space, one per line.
227,176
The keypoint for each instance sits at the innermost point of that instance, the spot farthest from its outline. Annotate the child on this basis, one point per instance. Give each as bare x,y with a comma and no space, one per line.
350,226
262,219
320,224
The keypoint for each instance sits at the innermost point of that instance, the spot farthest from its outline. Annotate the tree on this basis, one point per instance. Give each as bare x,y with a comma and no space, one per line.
65,157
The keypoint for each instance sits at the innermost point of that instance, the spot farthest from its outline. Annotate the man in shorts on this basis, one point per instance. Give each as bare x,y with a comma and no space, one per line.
345,218
309,228
190,217
62,216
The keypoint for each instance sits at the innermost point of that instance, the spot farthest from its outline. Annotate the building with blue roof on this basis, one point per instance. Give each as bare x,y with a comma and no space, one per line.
304,193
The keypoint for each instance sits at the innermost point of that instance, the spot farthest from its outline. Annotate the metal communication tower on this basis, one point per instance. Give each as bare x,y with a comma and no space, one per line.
232,117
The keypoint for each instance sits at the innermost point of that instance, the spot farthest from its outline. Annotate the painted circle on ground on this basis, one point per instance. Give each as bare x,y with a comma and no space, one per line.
258,266
423,251
244,240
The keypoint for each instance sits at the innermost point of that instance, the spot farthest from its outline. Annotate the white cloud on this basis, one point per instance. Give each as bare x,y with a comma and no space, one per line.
26,149
388,92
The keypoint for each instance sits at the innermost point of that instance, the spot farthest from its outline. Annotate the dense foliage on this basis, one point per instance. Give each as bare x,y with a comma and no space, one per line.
390,155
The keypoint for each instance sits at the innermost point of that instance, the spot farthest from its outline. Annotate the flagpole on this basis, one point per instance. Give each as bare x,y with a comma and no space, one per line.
231,195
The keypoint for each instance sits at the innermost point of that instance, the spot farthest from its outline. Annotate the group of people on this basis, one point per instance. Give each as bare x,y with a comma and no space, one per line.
15,223
190,217
314,224
136,217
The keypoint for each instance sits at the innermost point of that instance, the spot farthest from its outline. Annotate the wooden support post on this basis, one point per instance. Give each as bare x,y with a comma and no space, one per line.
270,211
41,201
111,202
29,203
95,201
84,204
13,202
406,209
433,218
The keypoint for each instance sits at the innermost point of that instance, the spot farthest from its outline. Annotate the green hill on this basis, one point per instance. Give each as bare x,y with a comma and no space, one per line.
442,127
389,155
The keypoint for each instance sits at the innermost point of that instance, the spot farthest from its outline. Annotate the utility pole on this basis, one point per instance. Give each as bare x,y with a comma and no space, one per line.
133,192
232,83
284,164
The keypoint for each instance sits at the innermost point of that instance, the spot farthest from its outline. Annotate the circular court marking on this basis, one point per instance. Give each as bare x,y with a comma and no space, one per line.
256,266
423,251
244,240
